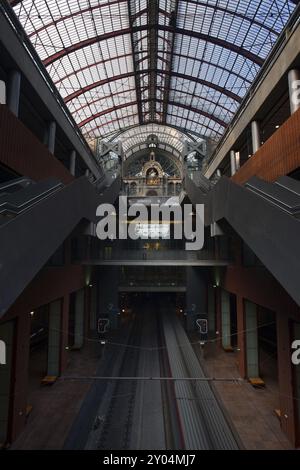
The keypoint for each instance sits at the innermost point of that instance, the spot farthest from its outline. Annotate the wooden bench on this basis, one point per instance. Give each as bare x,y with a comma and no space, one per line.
257,382
28,411
277,413
49,380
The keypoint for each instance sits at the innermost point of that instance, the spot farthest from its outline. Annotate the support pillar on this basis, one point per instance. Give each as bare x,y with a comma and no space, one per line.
73,163
211,312
21,362
108,296
241,327
255,132
219,315
79,320
51,137
296,384
226,321
54,339
93,308
234,162
6,370
2,92
196,297
64,338
14,90
287,402
251,340
294,89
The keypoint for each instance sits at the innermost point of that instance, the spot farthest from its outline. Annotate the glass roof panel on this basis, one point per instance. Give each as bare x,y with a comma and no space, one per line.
186,64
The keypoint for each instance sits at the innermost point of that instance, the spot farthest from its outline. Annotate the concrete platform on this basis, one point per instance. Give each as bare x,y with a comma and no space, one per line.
250,410
55,408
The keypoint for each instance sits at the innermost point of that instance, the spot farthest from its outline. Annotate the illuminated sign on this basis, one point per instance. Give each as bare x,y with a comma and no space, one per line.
154,231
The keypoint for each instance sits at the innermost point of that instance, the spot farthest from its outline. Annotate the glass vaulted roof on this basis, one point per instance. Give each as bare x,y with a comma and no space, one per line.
186,64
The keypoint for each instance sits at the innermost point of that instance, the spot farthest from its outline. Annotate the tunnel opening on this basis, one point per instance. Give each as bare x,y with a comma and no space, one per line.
136,303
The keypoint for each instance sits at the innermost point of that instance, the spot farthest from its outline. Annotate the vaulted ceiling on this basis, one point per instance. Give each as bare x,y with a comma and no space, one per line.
186,64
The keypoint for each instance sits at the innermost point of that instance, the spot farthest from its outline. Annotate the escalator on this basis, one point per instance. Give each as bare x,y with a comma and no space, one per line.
35,219
265,215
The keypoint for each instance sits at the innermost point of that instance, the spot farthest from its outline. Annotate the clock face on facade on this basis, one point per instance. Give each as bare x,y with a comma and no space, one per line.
153,177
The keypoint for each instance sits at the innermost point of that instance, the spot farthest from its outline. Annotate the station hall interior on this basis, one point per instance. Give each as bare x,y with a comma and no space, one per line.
128,344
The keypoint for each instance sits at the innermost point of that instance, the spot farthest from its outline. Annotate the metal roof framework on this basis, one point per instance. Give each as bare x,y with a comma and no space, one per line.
181,64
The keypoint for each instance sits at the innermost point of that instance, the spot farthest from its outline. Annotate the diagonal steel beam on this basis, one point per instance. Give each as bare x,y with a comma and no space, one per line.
155,28
98,101
153,20
97,127
93,117
211,85
136,68
216,8
173,24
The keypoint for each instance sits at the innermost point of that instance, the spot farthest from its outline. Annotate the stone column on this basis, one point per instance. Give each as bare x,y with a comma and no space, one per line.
108,295
241,327
196,297
211,312
54,338
93,308
7,331
79,320
294,89
226,321
251,340
21,361
2,92
218,297
234,162
285,375
64,338
255,132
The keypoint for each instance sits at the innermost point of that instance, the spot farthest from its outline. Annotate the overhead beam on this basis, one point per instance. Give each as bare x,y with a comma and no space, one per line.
217,66
98,126
195,34
133,103
98,100
94,64
167,87
201,136
213,86
153,20
134,48
103,98
237,14
177,128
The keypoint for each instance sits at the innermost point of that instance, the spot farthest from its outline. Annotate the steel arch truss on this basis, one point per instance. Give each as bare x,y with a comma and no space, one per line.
120,64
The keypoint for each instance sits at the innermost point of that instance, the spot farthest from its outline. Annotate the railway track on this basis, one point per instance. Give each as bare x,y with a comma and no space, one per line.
172,414
203,422
113,427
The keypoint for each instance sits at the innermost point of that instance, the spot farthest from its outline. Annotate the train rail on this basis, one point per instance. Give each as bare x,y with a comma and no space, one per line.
158,396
